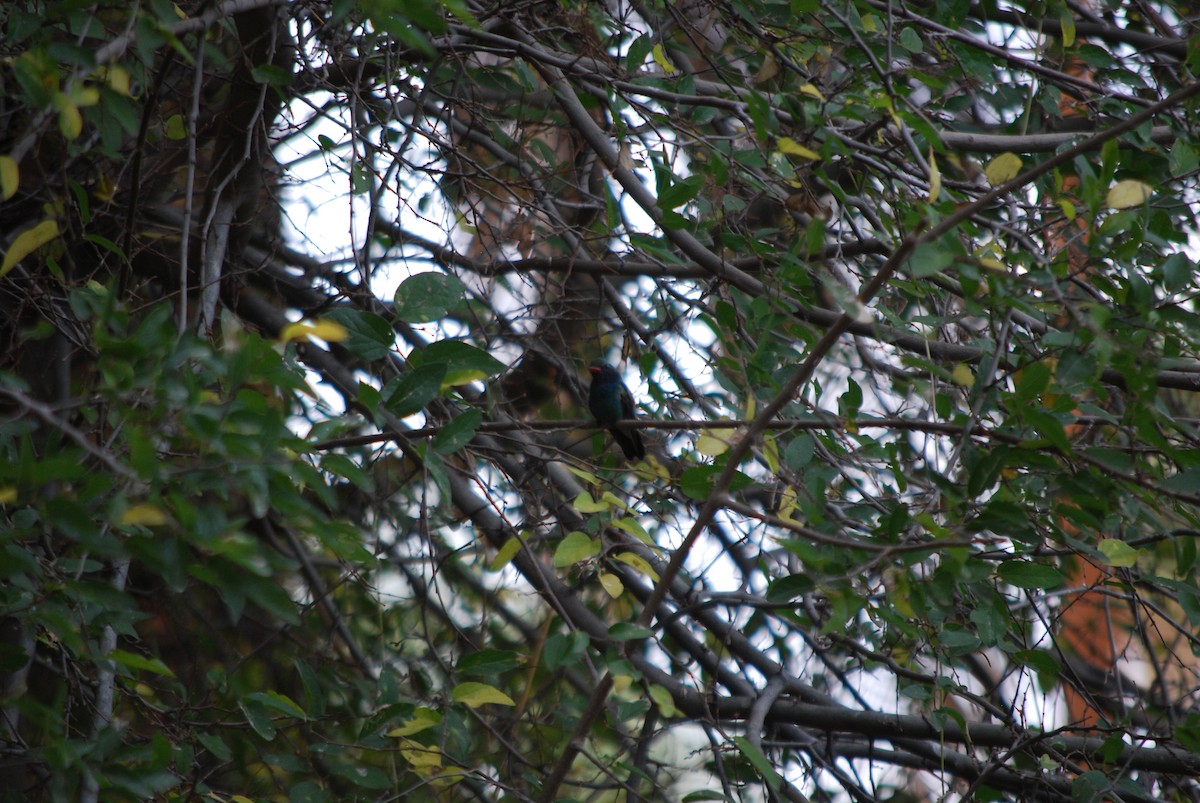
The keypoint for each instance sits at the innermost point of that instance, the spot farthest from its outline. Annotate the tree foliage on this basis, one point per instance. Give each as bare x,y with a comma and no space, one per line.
301,500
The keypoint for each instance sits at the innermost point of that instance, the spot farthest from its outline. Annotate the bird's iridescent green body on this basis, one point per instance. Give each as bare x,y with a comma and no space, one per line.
610,401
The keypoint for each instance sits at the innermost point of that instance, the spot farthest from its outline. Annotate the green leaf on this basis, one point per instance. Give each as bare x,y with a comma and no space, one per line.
258,718
564,649
342,466
1187,481
1043,663
959,642
369,337
991,622
363,775
272,74
489,662
463,362
458,433
678,194
786,589
272,598
135,662
760,762
214,744
1026,574
927,260
628,631
427,297
697,481
910,40
1177,271
1090,785
360,178
278,702
760,115
308,792
414,389
1049,427
635,54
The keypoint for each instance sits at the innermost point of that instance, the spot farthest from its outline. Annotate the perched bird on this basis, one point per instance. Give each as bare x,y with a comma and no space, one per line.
609,401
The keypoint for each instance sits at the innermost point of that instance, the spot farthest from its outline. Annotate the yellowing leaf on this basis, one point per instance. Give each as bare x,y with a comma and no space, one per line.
295,331
27,242
10,177
711,445
791,147
935,178
993,265
1004,167
809,89
663,699
660,58
613,500
1068,28
611,584
1117,553
621,683
145,514
768,70
584,503
85,95
118,79
962,376
639,563
787,504
651,468
575,547
474,695
1068,208
423,719
175,127
586,476
424,760
1128,193
329,331
70,121
634,528
507,552
770,453
464,377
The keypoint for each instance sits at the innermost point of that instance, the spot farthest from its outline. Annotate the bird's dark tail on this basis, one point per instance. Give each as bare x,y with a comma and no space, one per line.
630,442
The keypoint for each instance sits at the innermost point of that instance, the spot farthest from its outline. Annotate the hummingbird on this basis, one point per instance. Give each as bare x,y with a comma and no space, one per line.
610,401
